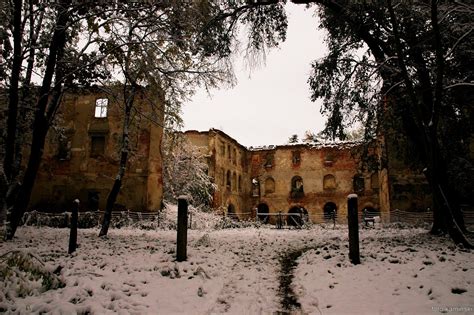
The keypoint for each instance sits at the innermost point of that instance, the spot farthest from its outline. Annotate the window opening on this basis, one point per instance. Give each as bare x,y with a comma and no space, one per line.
255,188
329,182
297,187
269,185
296,157
358,183
268,163
97,145
101,107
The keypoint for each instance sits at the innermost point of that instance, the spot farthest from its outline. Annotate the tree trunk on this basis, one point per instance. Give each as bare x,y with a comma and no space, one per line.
41,123
112,197
13,92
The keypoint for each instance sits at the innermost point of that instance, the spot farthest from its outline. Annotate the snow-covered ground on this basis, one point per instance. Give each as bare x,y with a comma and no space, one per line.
238,271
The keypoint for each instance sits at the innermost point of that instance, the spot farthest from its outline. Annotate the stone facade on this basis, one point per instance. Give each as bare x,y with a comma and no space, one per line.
289,179
81,155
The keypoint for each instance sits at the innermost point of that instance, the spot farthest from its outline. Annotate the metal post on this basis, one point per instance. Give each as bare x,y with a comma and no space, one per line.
353,222
182,230
73,233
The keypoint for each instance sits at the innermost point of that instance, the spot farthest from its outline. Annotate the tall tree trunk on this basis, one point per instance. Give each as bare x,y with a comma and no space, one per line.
13,92
112,197
41,122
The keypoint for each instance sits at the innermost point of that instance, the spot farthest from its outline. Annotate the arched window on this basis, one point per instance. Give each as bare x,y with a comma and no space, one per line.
269,185
358,183
297,190
374,181
240,183
228,180
329,182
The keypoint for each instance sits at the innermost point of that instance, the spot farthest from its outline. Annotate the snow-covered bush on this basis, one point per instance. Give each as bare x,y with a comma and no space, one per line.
23,274
185,172
86,220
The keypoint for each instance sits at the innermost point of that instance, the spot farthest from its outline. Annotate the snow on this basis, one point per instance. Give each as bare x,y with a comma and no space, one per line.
237,271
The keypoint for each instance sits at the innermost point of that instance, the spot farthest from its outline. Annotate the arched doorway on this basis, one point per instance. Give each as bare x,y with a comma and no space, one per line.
231,212
330,210
297,216
263,211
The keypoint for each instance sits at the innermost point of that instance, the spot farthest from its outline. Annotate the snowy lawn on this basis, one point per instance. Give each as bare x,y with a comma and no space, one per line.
238,271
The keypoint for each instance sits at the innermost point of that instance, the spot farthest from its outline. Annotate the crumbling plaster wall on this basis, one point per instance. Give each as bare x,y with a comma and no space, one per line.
313,164
80,175
227,160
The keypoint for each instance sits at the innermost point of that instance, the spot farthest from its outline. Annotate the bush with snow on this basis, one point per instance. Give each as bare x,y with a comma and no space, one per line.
23,274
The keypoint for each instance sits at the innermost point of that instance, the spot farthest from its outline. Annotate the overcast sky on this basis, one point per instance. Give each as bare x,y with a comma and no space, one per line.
272,103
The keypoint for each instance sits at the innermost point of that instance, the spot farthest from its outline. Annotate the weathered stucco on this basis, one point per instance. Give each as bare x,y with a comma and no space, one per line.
71,168
269,176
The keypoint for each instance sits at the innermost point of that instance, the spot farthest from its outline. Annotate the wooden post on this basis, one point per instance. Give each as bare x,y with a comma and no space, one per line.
182,229
353,222
73,233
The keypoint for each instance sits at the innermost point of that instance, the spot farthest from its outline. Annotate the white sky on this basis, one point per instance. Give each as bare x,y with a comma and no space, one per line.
272,103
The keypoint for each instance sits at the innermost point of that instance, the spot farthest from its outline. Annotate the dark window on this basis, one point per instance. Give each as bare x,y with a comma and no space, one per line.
296,157
93,200
268,162
64,149
97,145
297,190
228,180
358,183
263,211
234,181
330,211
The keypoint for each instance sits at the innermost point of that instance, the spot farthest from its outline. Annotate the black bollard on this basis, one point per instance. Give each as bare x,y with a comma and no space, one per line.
182,230
353,222
73,233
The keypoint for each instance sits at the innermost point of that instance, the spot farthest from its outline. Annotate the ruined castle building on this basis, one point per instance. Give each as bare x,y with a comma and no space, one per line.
228,166
81,155
312,180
